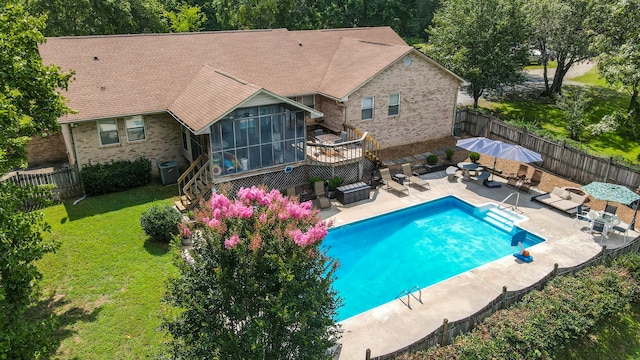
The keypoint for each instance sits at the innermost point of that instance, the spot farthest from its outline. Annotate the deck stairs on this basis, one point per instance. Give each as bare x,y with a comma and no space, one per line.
371,148
195,183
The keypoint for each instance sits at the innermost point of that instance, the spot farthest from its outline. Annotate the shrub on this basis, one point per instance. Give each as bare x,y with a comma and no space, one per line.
333,183
160,222
449,152
474,156
118,176
432,159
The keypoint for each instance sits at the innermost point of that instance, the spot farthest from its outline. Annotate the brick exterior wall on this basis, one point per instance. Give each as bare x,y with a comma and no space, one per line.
47,150
333,113
428,97
163,142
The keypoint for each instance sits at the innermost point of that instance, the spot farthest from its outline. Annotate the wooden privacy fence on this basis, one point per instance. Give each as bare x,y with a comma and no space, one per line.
66,180
444,334
557,158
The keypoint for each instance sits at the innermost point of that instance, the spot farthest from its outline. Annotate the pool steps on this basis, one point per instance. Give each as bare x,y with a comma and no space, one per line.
501,218
498,220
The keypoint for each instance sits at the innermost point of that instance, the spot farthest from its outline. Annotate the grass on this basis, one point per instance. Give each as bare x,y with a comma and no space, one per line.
617,338
105,282
539,112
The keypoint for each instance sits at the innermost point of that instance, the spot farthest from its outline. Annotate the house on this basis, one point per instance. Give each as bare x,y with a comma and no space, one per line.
237,106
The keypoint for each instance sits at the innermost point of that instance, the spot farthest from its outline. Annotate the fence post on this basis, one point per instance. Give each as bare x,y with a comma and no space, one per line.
368,354
445,330
504,297
555,270
602,259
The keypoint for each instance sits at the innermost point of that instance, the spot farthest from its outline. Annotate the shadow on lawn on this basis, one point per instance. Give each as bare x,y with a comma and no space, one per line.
103,204
60,316
156,248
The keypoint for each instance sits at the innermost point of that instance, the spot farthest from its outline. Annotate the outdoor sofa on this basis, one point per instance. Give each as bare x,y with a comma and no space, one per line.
562,200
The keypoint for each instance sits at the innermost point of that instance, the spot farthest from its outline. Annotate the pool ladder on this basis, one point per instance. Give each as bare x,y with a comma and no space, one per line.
409,294
513,207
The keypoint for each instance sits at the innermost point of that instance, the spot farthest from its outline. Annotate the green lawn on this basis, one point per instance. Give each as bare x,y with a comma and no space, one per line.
539,112
106,280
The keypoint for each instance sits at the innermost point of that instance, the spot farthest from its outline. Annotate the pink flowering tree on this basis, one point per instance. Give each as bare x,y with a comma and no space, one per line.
256,284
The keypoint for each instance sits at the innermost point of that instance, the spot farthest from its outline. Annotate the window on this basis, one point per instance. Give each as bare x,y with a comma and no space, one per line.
108,131
367,108
267,136
309,100
394,104
135,128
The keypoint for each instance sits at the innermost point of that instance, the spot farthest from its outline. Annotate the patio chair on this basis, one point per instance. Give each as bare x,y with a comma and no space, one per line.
522,172
390,183
610,209
451,173
513,181
535,180
414,180
582,215
323,200
598,226
624,229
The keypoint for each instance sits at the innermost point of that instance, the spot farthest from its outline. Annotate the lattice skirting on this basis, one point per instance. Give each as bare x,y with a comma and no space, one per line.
300,175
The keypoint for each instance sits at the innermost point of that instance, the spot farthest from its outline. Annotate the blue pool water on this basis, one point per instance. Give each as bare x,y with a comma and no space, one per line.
417,246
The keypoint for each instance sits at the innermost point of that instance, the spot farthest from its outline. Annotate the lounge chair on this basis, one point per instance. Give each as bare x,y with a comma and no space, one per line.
535,180
562,200
414,180
390,183
323,201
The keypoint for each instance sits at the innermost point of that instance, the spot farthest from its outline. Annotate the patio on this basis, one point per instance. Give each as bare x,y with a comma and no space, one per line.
393,326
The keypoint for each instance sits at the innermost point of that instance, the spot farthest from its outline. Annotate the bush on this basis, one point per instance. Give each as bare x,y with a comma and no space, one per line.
568,308
432,159
160,222
474,156
118,176
449,153
333,183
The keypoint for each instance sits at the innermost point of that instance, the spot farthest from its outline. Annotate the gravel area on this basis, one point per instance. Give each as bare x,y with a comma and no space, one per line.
549,180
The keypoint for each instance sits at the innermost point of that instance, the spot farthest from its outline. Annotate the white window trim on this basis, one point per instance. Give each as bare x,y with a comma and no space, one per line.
144,128
390,105
362,108
115,121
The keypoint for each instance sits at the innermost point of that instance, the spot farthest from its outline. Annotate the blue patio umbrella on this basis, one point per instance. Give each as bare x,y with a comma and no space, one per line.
499,149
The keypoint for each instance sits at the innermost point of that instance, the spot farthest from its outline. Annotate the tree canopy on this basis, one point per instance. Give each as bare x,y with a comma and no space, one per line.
29,104
559,26
257,284
481,41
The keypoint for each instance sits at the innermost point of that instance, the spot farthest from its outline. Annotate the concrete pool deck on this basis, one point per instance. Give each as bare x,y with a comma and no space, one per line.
393,326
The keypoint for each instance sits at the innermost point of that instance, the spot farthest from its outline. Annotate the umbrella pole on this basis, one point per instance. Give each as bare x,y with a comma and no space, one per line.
495,158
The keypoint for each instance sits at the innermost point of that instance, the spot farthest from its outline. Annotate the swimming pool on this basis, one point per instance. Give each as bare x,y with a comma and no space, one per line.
417,246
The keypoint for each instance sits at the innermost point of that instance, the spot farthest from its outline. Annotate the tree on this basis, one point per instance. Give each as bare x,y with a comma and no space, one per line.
574,106
99,17
559,26
187,19
256,284
29,104
477,40
617,41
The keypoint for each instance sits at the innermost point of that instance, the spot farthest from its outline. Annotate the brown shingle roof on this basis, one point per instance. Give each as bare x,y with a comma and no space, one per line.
210,95
136,74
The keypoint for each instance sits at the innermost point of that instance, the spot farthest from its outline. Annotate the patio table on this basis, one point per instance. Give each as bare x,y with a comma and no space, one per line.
608,220
466,166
